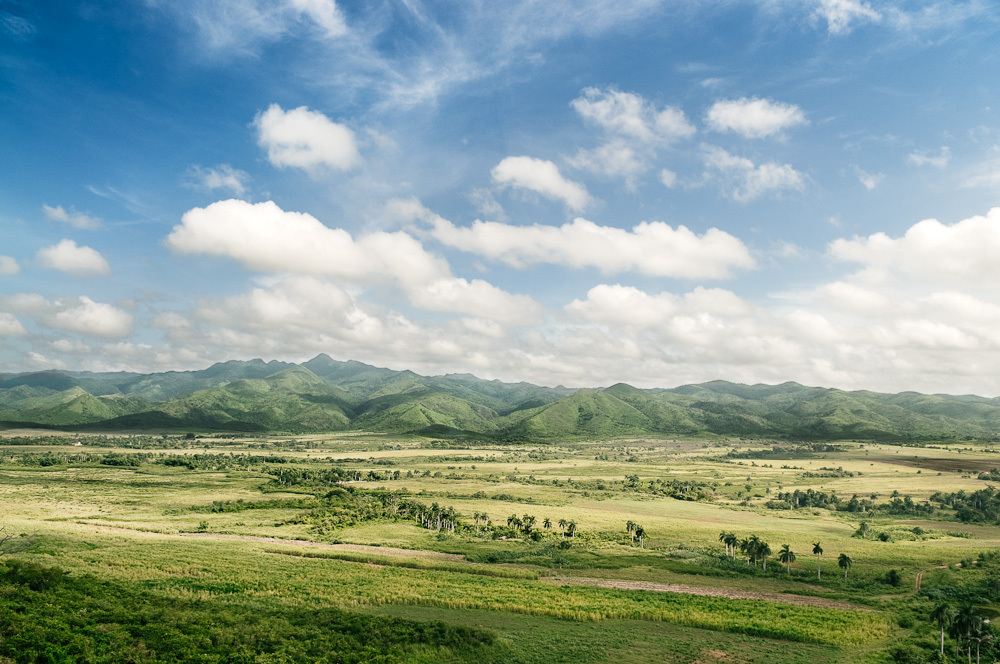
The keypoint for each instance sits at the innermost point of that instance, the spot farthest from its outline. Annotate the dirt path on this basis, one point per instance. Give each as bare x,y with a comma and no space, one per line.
708,591
384,550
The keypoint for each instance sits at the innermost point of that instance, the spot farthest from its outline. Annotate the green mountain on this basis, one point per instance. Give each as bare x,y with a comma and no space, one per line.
324,394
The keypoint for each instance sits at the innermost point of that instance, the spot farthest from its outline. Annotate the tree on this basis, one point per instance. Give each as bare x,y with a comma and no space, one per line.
966,626
818,552
765,550
571,528
787,557
844,561
944,615
722,538
547,523
562,526
745,546
640,532
731,541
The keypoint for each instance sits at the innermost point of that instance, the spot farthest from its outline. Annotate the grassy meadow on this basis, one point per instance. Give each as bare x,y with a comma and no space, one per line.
364,547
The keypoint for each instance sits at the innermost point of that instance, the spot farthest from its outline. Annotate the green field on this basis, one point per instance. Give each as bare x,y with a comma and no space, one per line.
365,547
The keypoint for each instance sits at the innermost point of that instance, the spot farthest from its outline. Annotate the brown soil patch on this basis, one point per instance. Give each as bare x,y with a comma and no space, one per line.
384,550
708,591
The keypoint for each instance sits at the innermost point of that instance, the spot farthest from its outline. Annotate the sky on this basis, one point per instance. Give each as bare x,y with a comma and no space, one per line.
579,193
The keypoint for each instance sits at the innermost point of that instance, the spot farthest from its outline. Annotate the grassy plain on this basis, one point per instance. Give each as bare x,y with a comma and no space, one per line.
252,524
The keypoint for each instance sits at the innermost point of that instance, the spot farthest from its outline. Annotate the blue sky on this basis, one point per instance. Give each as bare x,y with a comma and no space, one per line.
555,192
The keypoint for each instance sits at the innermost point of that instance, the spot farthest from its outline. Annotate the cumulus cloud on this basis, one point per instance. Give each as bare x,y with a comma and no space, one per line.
964,252
66,256
753,117
630,116
10,326
613,159
745,181
222,176
305,139
841,15
72,314
653,248
264,237
940,160
8,266
542,177
71,217
668,178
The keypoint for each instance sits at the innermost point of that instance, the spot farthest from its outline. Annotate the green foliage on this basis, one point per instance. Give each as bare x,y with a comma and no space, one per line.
48,617
325,395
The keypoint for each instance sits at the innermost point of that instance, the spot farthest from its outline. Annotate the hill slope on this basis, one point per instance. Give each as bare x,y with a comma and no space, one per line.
328,395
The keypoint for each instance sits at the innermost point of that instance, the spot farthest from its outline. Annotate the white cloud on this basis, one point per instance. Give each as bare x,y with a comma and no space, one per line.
487,204
868,180
940,160
624,305
964,253
10,326
222,176
745,181
542,177
264,237
652,248
668,178
630,116
68,257
613,159
71,347
985,174
305,139
841,14
753,117
71,314
71,217
241,25
323,13
8,266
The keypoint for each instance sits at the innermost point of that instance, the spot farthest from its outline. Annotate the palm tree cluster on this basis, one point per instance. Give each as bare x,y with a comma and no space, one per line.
753,547
964,625
436,517
636,531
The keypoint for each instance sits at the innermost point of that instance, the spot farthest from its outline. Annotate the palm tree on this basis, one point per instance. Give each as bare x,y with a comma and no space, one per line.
787,557
744,545
845,562
562,526
966,625
981,634
818,552
640,532
722,538
547,523
731,541
571,528
753,548
944,615
765,550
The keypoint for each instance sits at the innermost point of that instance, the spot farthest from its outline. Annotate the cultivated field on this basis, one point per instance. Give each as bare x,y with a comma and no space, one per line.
380,548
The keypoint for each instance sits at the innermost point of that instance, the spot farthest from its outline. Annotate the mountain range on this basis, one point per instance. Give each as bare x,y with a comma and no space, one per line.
328,395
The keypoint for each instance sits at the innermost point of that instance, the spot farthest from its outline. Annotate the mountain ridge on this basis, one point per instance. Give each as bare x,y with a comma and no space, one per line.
323,394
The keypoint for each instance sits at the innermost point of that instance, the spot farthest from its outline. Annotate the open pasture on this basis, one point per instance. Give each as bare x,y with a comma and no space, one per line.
193,520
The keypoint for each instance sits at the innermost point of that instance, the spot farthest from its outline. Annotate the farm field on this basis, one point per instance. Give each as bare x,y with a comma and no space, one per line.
574,551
